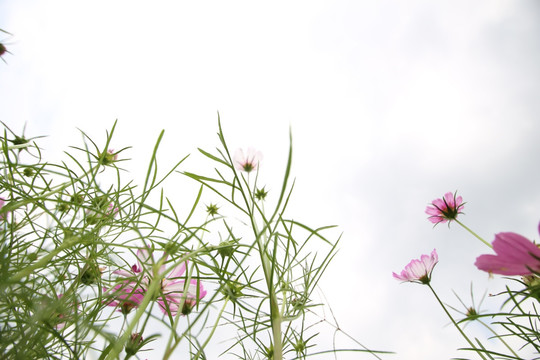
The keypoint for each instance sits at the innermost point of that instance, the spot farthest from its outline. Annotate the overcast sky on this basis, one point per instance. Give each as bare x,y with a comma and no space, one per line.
391,104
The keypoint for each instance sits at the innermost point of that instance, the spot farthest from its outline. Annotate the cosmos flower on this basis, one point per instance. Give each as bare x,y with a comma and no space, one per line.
445,209
515,255
127,295
247,162
174,294
419,270
172,284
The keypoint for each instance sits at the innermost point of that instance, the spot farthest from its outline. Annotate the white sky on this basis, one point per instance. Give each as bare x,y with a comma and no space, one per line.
391,104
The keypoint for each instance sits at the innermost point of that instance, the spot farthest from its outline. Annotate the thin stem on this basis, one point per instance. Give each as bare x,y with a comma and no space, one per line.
455,324
275,314
473,233
44,261
211,332
500,338
11,206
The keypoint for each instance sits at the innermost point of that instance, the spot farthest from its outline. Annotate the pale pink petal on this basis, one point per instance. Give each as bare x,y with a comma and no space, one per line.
419,270
247,162
178,271
123,273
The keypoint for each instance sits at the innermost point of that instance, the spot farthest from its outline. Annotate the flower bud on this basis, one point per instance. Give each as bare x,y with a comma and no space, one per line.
90,274
226,248
188,306
300,346
108,158
233,290
28,172
260,194
212,209
76,199
533,285
62,207
134,344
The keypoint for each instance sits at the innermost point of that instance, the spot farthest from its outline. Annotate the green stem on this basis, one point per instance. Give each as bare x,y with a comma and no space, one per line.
275,314
211,332
473,233
11,206
500,338
455,324
20,146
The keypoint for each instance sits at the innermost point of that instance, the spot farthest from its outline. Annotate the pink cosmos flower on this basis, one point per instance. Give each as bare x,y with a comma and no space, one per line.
247,163
419,270
445,209
172,284
515,255
173,292
128,295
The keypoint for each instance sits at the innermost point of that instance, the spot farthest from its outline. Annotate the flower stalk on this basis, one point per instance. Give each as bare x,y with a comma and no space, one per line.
455,324
474,234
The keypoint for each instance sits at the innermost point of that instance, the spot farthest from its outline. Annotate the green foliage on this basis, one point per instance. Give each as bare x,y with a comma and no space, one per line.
70,229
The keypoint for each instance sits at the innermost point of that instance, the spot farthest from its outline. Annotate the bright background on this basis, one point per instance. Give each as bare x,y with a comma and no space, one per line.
391,104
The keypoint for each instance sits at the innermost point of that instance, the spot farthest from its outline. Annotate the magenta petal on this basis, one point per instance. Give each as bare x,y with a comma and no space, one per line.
496,265
515,255
445,209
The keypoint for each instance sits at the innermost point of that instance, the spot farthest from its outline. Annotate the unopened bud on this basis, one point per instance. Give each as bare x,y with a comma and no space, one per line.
134,344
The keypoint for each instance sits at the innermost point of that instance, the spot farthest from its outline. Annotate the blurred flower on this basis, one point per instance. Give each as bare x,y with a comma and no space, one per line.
174,295
247,163
128,295
54,312
2,202
515,255
419,270
111,210
172,284
445,209
61,315
3,51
